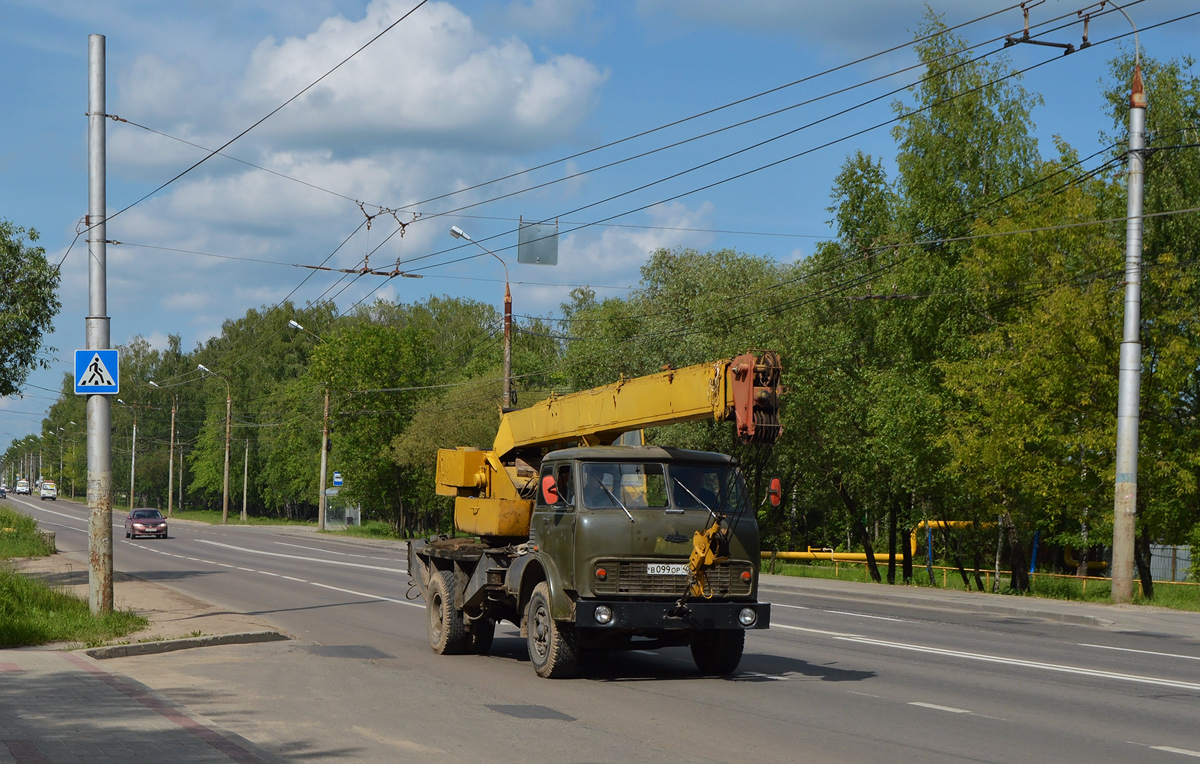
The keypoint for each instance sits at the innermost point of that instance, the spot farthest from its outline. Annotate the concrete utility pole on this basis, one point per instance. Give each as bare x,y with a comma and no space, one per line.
321,502
132,453
170,449
245,479
1130,380
99,407
228,424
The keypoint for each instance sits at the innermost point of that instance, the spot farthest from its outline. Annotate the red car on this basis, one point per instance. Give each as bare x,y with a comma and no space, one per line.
145,522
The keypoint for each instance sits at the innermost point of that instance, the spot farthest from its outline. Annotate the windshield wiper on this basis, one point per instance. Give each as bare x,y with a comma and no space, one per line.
612,496
697,498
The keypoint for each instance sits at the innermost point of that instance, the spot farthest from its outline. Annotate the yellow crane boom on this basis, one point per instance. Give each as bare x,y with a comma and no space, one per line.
488,484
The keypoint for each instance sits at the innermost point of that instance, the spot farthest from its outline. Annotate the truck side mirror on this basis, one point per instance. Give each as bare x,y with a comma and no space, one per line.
549,490
775,491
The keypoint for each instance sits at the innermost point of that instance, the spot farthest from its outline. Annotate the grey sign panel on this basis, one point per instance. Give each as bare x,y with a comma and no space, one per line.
537,243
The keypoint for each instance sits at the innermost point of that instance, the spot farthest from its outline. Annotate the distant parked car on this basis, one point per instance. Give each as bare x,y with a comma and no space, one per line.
3,492
145,522
48,490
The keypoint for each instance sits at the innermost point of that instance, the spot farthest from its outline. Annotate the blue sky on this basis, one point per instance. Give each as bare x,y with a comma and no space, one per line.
458,94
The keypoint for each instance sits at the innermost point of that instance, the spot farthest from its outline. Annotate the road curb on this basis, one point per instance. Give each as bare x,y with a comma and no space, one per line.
187,643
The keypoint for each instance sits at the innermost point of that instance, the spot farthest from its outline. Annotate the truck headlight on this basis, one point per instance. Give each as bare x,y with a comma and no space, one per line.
747,617
603,615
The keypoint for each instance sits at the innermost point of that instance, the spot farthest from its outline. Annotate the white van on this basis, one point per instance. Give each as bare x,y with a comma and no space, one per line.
48,490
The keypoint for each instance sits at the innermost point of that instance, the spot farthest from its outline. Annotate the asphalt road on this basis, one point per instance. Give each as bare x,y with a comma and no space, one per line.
835,679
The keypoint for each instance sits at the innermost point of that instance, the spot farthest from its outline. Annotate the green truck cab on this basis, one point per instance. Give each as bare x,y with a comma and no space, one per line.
605,566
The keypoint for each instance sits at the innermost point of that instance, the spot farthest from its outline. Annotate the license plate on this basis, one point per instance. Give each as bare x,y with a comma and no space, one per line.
666,569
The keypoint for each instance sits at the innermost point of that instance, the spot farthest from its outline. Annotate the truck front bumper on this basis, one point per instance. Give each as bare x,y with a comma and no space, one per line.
653,616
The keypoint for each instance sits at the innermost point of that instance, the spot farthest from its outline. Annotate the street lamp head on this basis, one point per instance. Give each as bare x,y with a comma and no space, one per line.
121,401
292,323
203,368
154,384
459,233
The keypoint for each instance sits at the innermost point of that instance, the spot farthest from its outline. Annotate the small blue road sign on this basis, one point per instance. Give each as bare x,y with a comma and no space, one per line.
337,478
97,371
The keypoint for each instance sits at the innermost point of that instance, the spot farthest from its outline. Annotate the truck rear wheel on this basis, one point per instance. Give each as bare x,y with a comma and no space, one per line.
719,652
447,635
480,636
553,649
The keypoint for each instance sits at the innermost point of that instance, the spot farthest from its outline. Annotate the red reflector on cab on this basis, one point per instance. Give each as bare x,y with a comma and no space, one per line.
746,576
601,574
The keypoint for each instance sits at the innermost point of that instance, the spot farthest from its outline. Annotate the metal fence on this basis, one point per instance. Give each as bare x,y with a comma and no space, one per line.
1170,563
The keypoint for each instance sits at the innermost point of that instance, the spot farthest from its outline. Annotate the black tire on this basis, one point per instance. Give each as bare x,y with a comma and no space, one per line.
553,648
128,535
480,636
719,652
447,635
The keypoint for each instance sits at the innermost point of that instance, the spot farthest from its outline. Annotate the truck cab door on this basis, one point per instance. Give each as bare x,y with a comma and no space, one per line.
553,524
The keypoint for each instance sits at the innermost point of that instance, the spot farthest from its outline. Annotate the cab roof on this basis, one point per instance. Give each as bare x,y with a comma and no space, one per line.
639,454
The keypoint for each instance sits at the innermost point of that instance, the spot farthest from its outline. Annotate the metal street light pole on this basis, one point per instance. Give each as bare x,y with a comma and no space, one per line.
132,452
321,502
170,449
99,407
228,424
459,233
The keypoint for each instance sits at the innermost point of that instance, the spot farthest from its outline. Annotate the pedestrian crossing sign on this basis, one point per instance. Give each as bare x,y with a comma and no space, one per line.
97,372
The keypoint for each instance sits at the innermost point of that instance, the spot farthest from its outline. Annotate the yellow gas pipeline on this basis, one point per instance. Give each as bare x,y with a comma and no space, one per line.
829,554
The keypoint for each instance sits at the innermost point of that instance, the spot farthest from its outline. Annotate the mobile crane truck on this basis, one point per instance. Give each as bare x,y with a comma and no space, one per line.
587,546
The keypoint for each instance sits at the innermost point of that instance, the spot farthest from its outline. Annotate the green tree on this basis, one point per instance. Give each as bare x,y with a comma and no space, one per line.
28,304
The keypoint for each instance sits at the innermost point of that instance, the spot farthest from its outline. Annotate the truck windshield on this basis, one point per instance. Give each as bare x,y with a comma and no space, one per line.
697,486
636,485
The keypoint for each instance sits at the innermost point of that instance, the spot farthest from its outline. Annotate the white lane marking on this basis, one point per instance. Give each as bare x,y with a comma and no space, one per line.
269,573
837,634
248,570
1181,751
225,565
303,559
1143,652
293,578
83,520
864,615
369,596
330,551
793,607
1028,664
935,707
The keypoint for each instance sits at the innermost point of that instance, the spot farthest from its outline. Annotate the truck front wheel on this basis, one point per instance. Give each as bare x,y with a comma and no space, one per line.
718,652
553,649
447,635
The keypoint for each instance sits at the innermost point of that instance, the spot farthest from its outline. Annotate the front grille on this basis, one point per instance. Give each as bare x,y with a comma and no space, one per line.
630,577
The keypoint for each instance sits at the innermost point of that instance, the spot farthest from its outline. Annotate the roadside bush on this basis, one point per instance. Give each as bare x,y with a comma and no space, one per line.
19,536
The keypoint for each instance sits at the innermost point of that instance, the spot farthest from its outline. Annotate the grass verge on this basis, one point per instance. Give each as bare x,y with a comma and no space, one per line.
1166,594
371,529
19,536
213,517
32,613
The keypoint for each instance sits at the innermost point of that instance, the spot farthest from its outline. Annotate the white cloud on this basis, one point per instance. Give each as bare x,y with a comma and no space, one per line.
615,256
432,80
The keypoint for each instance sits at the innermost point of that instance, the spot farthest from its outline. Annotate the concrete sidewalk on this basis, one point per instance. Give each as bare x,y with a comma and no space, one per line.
58,706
